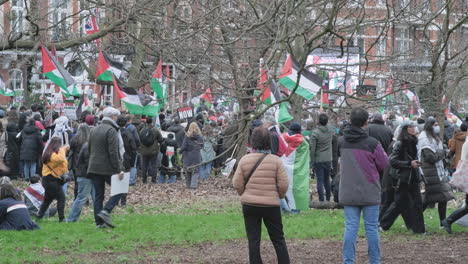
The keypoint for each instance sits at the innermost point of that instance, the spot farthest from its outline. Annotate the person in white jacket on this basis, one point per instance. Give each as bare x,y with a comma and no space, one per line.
460,212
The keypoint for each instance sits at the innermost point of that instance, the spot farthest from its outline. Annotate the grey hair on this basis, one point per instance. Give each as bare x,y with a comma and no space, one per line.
5,180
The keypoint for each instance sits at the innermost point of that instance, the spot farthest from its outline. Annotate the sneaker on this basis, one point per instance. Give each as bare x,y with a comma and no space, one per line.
447,226
106,218
101,226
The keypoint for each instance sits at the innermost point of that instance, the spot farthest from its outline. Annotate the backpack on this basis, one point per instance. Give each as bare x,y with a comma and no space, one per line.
147,136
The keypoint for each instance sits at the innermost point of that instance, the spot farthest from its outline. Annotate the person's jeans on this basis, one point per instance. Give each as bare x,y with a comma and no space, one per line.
323,171
85,186
149,166
191,177
29,168
53,190
271,216
99,183
371,223
205,170
162,178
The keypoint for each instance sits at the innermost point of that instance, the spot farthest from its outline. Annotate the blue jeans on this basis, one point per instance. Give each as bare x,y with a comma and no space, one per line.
162,178
85,186
371,223
29,168
323,171
205,170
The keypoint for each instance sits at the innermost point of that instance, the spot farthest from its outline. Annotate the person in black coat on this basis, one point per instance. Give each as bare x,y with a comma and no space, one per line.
379,131
168,161
12,155
130,150
31,148
191,155
405,181
178,130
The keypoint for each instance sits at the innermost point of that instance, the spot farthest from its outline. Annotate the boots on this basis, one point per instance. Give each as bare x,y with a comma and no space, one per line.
459,213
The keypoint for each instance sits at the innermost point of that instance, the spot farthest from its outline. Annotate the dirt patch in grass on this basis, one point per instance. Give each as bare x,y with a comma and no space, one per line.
441,249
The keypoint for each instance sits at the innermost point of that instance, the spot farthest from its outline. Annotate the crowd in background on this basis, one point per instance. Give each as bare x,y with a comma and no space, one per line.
371,164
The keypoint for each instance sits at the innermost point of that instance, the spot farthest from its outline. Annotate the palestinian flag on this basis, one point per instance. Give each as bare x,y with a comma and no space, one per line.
84,105
106,67
324,99
170,152
157,82
265,89
133,103
3,90
296,161
57,74
308,84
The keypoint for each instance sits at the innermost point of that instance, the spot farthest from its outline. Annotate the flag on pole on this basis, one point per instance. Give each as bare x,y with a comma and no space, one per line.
106,67
133,103
53,70
4,90
91,25
324,99
296,161
309,83
84,105
265,89
157,82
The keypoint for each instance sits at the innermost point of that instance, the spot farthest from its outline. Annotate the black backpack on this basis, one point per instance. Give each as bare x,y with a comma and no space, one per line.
147,136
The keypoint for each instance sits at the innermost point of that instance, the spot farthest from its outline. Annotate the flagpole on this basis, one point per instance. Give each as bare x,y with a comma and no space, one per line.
321,99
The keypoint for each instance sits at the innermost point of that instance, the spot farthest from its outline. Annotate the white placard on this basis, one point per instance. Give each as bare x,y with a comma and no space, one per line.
119,186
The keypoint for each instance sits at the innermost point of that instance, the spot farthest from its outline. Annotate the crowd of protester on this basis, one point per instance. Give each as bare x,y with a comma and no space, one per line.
373,165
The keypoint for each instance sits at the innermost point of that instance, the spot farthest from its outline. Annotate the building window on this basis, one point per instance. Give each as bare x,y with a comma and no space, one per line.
59,19
17,15
16,80
403,41
381,46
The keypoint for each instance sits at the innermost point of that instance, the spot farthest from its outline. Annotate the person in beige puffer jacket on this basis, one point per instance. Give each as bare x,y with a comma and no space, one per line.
261,194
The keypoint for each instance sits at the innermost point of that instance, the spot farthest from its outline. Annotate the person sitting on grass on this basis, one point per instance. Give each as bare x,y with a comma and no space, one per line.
14,214
34,197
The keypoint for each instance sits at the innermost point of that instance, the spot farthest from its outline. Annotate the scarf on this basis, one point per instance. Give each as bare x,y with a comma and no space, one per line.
424,142
121,143
261,151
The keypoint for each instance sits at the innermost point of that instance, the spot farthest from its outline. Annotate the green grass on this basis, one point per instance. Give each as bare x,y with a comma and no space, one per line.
78,242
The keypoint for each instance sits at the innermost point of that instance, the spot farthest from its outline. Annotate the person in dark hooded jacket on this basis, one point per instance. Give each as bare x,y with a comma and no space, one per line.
12,154
168,162
31,148
191,155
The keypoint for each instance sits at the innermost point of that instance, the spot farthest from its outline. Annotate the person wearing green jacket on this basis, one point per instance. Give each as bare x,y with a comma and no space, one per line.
321,156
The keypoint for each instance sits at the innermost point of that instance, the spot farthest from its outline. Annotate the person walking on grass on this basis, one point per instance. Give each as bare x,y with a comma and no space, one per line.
55,164
459,213
362,159
106,151
407,199
431,153
191,155
261,181
31,148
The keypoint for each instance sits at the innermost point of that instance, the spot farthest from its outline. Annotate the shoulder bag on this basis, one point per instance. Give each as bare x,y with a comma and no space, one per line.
254,168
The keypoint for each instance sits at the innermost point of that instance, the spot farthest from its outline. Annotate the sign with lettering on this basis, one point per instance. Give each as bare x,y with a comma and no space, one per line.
185,112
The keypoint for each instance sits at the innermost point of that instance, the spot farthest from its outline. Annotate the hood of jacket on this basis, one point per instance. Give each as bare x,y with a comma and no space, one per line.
354,134
460,136
30,129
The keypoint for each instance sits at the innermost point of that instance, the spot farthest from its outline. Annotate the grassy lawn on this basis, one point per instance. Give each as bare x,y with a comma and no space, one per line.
79,242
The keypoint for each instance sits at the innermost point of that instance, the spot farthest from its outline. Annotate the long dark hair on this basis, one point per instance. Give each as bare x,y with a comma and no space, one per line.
54,146
9,191
405,136
429,128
